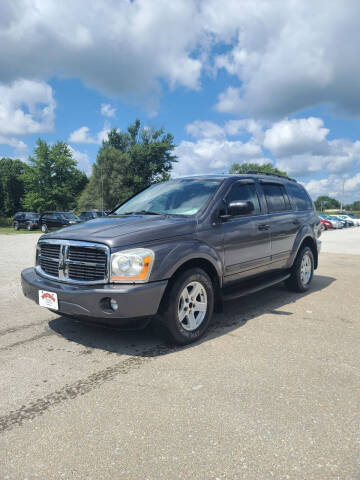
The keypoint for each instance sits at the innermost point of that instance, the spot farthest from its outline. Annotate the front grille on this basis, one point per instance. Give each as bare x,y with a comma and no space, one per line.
50,267
84,254
73,262
49,250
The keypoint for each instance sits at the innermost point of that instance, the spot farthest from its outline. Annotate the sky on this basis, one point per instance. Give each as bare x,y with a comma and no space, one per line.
232,80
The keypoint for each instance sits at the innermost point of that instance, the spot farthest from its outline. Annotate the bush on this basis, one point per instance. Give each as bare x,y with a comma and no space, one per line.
5,222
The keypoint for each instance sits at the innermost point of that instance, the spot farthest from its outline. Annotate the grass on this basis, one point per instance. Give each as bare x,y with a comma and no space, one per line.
12,231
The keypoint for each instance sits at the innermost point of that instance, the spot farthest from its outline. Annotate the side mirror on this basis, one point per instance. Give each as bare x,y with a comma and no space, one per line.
240,208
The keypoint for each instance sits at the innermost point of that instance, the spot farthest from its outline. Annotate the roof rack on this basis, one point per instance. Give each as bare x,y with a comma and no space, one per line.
257,172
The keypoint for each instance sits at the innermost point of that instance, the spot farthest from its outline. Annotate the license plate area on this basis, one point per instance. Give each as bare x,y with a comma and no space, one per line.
48,299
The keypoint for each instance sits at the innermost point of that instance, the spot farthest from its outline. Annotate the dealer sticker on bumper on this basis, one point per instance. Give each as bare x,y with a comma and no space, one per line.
48,299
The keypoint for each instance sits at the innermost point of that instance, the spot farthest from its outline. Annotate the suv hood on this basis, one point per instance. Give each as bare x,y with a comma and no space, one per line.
120,231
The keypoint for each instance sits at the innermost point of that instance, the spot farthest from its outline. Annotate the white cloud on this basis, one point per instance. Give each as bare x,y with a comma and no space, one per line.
26,106
82,135
211,155
289,56
298,146
289,137
332,186
82,159
107,110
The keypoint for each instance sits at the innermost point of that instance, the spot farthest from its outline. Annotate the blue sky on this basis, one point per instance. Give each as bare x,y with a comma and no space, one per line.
255,81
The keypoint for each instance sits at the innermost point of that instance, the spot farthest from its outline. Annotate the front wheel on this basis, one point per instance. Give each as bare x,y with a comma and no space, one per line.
188,307
302,271
44,228
16,226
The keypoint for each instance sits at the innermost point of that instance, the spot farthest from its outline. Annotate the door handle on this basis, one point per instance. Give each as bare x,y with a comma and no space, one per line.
263,226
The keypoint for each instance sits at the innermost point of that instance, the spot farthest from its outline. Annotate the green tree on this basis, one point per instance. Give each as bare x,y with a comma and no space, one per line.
126,163
265,167
52,182
353,206
325,203
11,185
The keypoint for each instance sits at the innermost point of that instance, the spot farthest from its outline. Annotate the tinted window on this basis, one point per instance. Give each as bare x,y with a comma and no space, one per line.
300,196
245,193
276,198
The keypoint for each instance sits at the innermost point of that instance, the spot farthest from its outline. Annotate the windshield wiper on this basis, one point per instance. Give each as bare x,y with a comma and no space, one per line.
142,212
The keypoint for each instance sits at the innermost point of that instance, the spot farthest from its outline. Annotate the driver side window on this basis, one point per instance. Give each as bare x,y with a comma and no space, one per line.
244,192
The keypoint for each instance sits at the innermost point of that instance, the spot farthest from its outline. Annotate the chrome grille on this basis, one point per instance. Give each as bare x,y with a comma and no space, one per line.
72,261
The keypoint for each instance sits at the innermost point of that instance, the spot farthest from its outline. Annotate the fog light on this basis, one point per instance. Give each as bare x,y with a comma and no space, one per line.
113,304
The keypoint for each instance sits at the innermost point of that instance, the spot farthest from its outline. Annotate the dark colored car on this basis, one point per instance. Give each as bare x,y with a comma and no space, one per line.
28,220
177,250
91,214
55,220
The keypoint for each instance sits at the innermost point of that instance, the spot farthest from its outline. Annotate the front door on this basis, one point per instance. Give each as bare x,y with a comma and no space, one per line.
246,237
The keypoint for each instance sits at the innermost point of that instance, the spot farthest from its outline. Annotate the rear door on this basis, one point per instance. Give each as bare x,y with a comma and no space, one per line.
284,224
246,237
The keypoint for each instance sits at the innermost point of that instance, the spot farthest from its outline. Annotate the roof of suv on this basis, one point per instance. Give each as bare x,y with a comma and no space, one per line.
250,174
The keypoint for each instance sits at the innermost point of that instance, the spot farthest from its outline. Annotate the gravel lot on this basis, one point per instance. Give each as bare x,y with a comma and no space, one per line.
271,392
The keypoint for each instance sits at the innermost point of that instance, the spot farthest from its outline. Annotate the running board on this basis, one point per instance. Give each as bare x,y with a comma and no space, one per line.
252,286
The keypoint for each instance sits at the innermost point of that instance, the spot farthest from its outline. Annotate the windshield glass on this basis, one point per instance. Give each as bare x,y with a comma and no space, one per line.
180,197
33,216
69,216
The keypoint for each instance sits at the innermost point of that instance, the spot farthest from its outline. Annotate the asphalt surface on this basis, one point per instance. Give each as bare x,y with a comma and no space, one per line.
271,392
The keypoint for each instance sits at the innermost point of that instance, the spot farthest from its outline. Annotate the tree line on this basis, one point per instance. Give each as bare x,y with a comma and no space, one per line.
126,163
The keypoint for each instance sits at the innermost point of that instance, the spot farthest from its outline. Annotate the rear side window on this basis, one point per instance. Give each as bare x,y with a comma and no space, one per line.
244,192
300,196
276,198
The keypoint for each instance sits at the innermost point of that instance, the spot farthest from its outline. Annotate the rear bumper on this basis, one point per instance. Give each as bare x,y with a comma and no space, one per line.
139,300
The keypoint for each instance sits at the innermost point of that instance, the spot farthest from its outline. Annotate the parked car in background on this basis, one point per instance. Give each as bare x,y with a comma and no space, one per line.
28,220
350,218
91,214
325,224
338,222
53,220
335,223
353,217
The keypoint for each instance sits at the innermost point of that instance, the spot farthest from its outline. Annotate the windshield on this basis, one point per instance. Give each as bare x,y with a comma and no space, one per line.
69,216
180,197
33,216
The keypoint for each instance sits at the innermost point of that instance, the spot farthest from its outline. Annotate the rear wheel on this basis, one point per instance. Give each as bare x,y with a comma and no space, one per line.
44,228
302,271
188,308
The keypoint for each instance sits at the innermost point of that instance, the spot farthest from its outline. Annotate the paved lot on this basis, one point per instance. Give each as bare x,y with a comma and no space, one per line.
271,392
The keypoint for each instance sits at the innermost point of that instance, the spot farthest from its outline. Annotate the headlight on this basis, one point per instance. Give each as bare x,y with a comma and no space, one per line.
132,265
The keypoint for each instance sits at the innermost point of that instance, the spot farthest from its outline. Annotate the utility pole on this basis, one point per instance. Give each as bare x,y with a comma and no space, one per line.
342,194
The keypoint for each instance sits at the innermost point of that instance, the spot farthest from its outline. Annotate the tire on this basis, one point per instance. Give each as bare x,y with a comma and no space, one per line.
28,227
173,321
302,271
16,226
44,228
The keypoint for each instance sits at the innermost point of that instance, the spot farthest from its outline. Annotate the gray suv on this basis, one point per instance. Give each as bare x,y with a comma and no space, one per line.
175,251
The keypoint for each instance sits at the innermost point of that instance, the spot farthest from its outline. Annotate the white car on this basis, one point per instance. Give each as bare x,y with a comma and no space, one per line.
356,221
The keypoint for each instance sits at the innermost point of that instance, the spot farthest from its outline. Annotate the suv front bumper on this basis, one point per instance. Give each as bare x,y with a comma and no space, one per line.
88,301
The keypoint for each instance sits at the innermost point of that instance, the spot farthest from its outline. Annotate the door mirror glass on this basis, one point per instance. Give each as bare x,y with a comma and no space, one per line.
240,208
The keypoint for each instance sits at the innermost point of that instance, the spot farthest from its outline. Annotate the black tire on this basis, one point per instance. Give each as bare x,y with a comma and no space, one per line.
167,321
296,282
44,228
16,226
28,227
